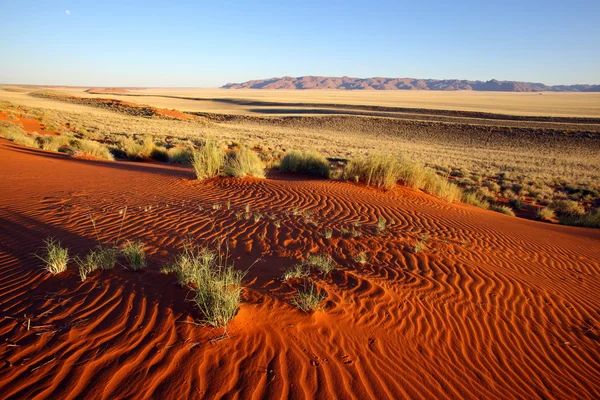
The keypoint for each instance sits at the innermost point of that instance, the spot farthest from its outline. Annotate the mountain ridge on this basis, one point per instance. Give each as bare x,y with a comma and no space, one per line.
311,82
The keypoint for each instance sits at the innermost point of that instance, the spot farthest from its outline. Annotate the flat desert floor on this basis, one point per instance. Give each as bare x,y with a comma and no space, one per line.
495,307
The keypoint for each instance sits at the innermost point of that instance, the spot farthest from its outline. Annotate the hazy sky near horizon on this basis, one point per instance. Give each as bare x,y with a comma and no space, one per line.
210,43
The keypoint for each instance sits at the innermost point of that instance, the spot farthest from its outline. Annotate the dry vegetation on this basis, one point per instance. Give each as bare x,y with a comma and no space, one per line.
516,170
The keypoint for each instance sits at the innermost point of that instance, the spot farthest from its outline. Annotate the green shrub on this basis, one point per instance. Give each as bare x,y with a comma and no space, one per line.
56,257
208,161
308,162
243,163
419,246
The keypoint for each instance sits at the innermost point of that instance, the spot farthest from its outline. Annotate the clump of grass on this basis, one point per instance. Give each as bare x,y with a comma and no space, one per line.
243,163
309,298
309,162
379,170
589,220
361,258
103,258
159,153
419,246
567,207
475,199
381,225
208,161
180,155
516,203
138,150
322,262
546,214
217,283
296,271
56,257
90,148
503,209
135,254
328,234
54,143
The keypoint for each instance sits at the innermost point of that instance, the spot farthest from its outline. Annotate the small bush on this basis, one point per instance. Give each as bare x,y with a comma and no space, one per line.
243,163
135,255
208,161
503,209
56,258
296,271
90,148
322,262
102,258
308,162
546,214
309,299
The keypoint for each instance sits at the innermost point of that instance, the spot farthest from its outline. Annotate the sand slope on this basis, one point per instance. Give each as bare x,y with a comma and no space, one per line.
496,307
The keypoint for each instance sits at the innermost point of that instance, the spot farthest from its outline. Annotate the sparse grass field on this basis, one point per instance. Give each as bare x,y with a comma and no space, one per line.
522,164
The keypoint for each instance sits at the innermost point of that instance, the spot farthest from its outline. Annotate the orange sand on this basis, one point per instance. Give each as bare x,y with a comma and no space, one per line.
496,307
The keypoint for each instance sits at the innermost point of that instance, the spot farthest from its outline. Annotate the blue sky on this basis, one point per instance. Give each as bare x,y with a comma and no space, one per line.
210,43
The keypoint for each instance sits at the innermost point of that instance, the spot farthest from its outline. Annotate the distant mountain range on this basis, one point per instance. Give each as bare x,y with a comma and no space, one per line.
347,83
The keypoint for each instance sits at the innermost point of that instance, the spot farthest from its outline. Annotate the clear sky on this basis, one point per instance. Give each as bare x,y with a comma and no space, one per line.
209,43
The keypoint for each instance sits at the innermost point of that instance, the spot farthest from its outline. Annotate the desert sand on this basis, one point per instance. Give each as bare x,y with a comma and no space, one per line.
496,307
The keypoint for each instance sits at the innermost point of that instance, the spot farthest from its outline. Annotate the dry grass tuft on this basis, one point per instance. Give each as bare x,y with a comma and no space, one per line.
56,258
308,162
217,284
135,254
243,163
309,299
208,161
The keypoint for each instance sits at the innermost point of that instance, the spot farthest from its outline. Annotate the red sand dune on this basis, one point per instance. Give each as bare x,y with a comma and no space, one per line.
496,307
